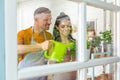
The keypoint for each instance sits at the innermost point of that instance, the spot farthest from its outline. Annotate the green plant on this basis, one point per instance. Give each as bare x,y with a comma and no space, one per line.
96,41
88,44
106,36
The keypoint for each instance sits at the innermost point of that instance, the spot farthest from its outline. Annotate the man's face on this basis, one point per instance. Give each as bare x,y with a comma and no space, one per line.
43,21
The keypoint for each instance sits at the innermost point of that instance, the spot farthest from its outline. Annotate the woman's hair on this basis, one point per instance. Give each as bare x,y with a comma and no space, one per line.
56,33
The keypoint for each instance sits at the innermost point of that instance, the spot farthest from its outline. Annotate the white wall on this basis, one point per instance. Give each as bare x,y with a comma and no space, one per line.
69,7
95,14
25,9
25,12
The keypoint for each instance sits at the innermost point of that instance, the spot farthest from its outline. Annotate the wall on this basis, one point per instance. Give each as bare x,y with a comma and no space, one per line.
26,8
25,11
69,7
95,14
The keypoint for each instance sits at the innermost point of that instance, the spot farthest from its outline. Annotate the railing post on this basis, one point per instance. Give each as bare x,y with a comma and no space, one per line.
92,57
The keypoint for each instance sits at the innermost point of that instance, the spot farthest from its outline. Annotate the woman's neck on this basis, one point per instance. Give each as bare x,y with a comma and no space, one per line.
64,39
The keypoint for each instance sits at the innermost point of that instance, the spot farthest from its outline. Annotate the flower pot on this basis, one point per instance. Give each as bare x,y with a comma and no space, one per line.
88,54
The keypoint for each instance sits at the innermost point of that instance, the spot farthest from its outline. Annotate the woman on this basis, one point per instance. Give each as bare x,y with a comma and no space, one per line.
62,33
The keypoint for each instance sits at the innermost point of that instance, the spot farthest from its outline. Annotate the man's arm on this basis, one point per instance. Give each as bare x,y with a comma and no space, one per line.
32,48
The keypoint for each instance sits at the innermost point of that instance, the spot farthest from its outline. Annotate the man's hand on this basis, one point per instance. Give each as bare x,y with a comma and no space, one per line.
35,47
46,45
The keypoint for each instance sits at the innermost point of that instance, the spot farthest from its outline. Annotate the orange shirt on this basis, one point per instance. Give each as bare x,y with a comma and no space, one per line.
25,36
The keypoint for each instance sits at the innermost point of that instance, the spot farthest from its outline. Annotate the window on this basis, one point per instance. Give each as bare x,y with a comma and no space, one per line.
11,36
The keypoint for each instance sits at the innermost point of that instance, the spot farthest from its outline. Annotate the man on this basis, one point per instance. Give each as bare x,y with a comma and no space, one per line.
33,41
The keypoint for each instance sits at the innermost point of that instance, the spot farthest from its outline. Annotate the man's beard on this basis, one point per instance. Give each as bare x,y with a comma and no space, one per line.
47,27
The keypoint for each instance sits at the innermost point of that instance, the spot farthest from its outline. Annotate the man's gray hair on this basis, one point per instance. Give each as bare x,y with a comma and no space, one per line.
41,10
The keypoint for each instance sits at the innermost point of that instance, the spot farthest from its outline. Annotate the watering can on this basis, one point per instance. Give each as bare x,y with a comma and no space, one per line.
58,50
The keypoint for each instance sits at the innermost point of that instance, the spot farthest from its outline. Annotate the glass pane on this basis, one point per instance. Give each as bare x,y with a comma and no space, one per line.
32,29
100,36
63,76
105,72
98,20
100,31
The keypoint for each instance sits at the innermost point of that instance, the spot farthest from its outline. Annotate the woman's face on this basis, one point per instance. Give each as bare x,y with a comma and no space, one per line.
64,27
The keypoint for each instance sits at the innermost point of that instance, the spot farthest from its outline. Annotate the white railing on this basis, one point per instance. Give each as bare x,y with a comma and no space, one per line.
63,67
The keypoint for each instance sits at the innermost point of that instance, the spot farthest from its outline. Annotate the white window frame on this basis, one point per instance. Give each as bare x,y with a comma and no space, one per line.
10,39
11,44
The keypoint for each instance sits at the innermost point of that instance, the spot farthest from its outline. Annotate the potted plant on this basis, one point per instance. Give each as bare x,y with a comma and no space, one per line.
96,41
106,37
95,45
88,49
